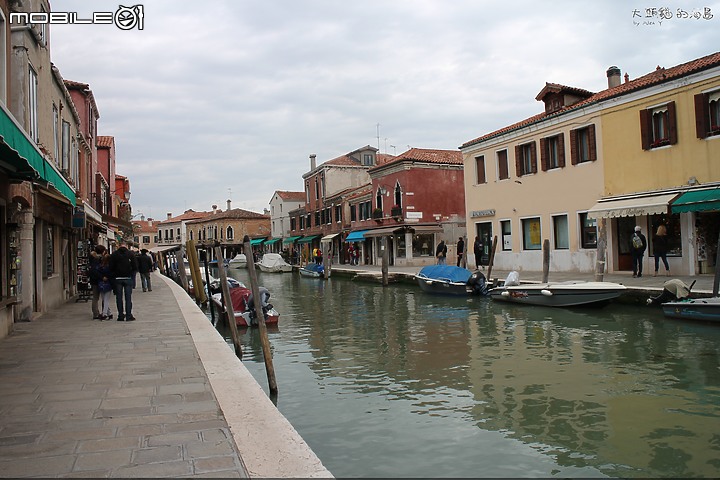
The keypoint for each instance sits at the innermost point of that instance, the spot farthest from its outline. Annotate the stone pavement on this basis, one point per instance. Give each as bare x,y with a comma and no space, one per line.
88,398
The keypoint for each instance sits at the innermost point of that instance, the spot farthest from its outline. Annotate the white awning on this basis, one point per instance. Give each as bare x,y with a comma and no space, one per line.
328,238
632,206
163,249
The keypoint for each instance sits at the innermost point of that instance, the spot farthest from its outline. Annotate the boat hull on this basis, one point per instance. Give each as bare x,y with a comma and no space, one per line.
242,318
569,294
703,309
274,268
310,273
442,287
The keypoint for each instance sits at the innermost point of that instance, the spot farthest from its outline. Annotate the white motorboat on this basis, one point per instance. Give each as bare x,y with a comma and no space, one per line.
273,263
238,261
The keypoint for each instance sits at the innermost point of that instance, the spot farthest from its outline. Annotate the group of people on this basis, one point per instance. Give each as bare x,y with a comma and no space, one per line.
353,254
478,251
638,245
116,273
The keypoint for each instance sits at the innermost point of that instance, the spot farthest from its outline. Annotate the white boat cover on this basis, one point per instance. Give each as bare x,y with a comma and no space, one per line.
273,260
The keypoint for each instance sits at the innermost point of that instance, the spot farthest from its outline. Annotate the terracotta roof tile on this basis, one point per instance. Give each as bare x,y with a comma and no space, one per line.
235,214
291,196
657,77
426,155
188,215
105,141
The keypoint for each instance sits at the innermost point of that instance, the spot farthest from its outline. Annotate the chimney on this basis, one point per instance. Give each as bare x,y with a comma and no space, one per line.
266,211
312,162
613,76
214,208
142,218
169,215
228,204
627,78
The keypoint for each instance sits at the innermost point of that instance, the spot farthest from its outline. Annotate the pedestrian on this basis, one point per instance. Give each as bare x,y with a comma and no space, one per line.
122,265
94,260
638,244
356,254
135,254
105,286
441,252
145,265
460,250
478,252
660,248
319,258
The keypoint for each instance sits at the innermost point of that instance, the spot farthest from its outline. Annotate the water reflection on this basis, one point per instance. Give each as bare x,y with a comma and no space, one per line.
395,382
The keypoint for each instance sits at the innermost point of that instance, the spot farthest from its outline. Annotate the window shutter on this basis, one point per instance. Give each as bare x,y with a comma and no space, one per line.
672,123
573,147
702,114
592,143
645,128
533,157
480,168
544,155
561,150
518,161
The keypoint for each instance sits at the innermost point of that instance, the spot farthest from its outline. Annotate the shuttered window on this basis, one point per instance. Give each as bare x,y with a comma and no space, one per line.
658,126
582,145
480,170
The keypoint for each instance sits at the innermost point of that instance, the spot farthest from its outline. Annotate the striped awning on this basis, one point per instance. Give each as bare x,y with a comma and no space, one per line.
632,206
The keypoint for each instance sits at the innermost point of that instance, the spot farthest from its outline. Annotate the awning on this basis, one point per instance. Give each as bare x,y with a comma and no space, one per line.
291,239
328,238
632,207
427,228
382,232
697,201
257,241
308,239
164,248
356,236
272,240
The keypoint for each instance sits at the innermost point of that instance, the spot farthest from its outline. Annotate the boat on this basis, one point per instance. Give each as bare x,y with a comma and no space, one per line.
273,263
214,263
557,294
313,270
238,261
451,280
242,302
707,309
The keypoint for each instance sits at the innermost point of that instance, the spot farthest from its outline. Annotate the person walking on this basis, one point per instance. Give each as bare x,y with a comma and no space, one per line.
478,252
638,244
441,253
460,250
660,248
105,286
94,260
145,266
122,265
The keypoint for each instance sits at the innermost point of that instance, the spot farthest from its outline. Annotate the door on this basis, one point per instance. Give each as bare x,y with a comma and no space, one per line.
484,231
624,228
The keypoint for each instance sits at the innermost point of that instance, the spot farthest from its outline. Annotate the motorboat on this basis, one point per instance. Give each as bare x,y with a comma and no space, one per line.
451,280
557,294
706,309
314,270
244,305
273,263
238,261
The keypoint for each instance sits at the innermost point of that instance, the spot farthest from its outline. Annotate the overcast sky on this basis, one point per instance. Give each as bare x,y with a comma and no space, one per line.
219,100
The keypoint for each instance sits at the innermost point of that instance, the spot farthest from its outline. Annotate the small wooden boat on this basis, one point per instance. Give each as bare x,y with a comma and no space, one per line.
238,261
706,309
313,270
243,304
451,280
558,294
273,263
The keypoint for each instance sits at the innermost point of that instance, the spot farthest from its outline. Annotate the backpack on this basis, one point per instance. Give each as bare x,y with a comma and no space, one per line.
637,242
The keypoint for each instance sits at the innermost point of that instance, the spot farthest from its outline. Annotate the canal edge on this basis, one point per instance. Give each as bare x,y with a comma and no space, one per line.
267,444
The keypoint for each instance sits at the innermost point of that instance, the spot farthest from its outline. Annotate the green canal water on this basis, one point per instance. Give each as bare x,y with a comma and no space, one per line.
393,382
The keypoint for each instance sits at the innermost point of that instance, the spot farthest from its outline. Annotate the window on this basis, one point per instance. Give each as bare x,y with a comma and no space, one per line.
353,213
422,245
317,189
506,232
49,252
552,152
33,104
525,159
560,232
707,114
398,194
367,160
658,126
338,213
672,229
502,165
531,234
480,170
379,199
293,225
318,220
582,145
65,165
56,144
588,232
146,239
191,235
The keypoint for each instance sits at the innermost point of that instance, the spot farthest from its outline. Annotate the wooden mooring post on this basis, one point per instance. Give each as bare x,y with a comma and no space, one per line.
385,259
227,301
205,254
601,250
324,248
492,257
179,255
195,272
546,260
267,354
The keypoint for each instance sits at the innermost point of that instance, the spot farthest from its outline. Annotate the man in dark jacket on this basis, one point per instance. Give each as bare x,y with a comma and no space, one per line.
145,265
478,251
441,252
122,265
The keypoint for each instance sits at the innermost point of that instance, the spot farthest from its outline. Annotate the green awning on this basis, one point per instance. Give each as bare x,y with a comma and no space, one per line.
308,239
272,240
25,160
697,201
257,241
291,239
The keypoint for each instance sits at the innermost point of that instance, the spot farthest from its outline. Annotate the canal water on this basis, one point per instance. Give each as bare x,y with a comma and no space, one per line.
394,382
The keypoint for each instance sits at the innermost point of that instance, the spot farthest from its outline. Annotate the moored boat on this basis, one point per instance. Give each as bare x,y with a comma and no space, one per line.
451,280
313,270
243,304
557,294
706,309
238,261
273,263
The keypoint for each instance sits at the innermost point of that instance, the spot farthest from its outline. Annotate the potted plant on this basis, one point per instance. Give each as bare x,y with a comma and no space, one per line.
396,211
377,214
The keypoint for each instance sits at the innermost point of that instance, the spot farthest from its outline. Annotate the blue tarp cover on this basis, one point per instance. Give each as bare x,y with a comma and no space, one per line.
446,272
315,267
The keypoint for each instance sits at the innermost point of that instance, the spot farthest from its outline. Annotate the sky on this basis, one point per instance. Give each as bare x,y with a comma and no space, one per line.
226,100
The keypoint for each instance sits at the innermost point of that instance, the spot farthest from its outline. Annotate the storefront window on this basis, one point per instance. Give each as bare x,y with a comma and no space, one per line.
531,234
422,245
401,245
672,225
588,237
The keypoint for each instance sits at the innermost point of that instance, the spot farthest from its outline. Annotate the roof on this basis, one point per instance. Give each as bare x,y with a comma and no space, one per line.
657,77
85,88
105,141
188,215
146,225
557,88
426,155
235,213
291,196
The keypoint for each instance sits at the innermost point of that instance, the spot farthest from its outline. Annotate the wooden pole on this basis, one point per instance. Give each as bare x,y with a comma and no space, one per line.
601,250
267,354
326,261
230,312
492,257
546,260
179,255
195,272
207,281
385,259
716,280
463,261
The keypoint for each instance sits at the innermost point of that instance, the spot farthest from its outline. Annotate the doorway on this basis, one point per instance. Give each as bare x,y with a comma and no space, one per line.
484,232
625,226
